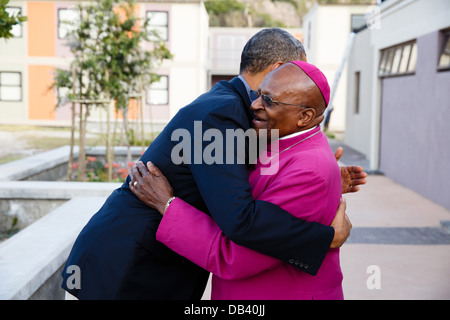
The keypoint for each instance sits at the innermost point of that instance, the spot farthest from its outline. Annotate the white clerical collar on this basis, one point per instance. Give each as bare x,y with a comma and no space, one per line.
297,133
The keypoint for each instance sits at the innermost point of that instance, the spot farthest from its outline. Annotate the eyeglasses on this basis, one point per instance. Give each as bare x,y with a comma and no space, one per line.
268,101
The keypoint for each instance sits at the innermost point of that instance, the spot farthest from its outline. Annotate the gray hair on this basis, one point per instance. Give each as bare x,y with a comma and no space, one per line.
267,47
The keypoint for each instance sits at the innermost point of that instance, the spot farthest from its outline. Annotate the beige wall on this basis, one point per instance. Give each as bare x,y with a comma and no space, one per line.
188,39
326,30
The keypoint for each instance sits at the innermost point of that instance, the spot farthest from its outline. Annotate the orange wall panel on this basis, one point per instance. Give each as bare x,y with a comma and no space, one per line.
41,29
41,100
132,111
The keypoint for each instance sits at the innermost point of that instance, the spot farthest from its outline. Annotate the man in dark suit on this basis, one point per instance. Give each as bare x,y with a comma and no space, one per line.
117,252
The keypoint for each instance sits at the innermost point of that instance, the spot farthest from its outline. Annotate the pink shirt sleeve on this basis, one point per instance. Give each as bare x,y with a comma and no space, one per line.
194,235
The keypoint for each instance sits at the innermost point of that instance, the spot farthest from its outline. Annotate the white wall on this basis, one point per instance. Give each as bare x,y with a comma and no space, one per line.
189,45
12,58
400,21
358,125
330,29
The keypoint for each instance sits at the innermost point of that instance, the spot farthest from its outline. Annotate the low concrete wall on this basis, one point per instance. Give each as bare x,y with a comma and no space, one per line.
51,213
28,201
36,165
53,165
31,260
23,204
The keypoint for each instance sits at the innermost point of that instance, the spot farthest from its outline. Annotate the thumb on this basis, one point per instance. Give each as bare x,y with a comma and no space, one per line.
342,205
340,213
153,169
338,154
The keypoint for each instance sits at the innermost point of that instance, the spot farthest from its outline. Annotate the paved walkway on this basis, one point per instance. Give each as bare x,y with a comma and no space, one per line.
399,232
397,235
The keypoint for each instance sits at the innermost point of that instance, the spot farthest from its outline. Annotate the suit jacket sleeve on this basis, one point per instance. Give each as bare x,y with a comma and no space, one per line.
258,225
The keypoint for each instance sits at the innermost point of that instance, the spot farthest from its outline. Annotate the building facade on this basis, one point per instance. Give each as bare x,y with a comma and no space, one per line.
398,106
326,31
28,60
225,48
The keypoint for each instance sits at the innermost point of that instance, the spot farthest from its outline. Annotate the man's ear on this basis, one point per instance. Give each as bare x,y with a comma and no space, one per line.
276,65
306,117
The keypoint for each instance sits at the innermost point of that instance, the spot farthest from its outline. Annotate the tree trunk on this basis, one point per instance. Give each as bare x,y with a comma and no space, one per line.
109,147
72,142
72,129
125,128
141,110
82,151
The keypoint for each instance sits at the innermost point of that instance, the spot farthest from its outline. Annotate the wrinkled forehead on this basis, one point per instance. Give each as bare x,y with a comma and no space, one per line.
287,78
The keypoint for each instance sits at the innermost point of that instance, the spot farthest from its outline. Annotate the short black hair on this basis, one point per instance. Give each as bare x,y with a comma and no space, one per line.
267,47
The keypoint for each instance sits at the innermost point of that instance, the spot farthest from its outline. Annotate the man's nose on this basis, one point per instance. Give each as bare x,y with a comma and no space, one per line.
257,104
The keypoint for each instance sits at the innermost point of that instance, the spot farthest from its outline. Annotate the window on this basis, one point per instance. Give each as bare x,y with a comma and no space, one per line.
357,22
309,35
63,96
17,28
357,88
412,59
10,86
159,92
158,23
68,21
444,57
398,60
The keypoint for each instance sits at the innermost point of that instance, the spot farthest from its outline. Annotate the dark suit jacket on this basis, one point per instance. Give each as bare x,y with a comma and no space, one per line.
117,252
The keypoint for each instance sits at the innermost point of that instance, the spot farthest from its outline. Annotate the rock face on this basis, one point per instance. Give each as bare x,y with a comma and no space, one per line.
263,13
284,12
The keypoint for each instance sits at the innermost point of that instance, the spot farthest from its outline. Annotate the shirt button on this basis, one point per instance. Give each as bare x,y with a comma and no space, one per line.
291,261
306,266
296,262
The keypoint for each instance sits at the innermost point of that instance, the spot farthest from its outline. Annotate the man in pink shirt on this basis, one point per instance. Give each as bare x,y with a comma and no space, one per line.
307,183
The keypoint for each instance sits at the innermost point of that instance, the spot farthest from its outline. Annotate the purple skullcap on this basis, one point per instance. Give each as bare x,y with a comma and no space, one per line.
317,76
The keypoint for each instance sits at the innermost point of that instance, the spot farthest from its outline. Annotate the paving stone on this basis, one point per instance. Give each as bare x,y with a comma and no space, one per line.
413,236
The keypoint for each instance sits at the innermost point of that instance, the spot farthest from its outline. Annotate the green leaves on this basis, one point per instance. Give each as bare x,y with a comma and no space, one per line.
7,22
223,6
109,56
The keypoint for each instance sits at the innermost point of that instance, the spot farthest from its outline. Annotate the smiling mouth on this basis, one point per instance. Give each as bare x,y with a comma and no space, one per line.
258,119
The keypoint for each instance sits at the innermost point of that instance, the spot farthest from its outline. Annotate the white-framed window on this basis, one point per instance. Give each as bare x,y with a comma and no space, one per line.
357,91
159,23
17,28
158,93
444,54
357,22
68,21
10,86
398,60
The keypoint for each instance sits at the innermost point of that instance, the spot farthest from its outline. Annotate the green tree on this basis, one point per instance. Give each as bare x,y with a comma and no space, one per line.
219,10
110,62
7,22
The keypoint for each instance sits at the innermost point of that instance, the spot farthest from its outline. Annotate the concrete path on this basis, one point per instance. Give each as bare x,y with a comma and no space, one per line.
397,248
397,242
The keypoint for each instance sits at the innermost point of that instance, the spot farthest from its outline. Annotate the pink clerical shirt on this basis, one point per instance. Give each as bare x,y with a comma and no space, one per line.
307,184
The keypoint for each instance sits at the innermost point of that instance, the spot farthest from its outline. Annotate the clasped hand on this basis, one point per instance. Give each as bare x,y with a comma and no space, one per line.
150,185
